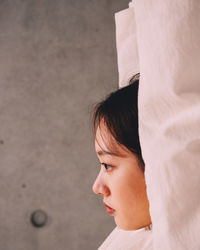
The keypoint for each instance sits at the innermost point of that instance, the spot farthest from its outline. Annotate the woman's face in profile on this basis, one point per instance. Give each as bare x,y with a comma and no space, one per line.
122,183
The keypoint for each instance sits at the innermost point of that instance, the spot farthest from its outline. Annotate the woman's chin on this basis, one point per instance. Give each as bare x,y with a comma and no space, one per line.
125,225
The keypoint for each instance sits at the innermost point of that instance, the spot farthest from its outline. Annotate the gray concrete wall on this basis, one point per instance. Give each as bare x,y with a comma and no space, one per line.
57,58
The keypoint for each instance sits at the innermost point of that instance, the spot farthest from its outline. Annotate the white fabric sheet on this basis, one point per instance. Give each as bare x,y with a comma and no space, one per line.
168,42
126,42
128,240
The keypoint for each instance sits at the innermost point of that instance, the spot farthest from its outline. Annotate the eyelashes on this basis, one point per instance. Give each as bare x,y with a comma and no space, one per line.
107,167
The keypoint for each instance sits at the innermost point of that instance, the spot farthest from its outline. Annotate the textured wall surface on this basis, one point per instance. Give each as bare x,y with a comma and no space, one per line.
57,59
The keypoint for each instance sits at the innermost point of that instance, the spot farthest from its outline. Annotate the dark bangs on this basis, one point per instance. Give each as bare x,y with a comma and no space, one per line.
119,112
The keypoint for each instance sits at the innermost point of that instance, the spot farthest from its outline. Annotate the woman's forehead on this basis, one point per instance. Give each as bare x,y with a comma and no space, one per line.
102,135
105,142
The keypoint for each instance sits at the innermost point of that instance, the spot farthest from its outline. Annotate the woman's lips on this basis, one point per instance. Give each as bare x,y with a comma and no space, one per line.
109,210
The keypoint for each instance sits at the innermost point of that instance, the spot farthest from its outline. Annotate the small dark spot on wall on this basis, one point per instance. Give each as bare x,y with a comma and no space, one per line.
1,142
50,41
23,185
97,29
39,218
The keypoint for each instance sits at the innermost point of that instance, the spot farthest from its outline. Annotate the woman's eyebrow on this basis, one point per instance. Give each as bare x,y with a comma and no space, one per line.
104,152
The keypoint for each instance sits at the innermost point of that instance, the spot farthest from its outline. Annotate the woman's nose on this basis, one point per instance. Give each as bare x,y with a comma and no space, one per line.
99,186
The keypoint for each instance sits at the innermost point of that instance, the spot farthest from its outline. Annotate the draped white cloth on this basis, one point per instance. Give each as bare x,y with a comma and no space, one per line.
128,240
161,40
127,51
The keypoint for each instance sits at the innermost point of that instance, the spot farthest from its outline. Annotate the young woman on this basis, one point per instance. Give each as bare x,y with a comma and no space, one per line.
121,179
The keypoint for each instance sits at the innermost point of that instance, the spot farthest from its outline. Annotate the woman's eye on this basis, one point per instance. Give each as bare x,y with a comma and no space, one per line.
107,167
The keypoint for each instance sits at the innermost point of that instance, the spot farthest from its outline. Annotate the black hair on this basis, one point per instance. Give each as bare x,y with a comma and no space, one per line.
120,114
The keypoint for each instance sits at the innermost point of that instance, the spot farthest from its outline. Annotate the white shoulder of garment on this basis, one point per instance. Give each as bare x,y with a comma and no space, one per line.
119,239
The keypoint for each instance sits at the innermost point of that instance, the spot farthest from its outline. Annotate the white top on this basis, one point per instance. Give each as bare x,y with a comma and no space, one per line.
119,239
